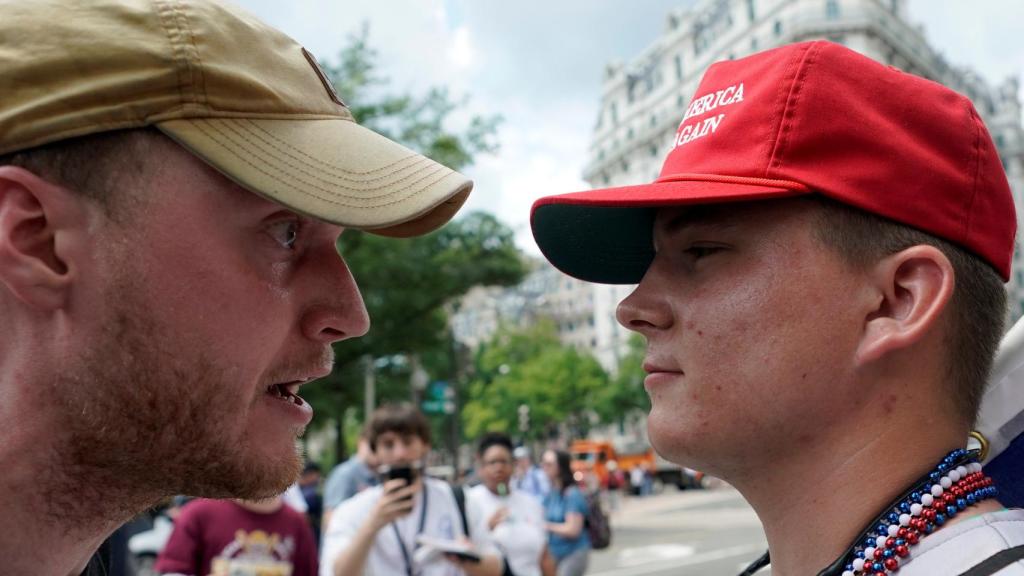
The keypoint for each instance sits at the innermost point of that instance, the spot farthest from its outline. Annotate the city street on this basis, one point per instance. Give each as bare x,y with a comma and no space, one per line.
689,533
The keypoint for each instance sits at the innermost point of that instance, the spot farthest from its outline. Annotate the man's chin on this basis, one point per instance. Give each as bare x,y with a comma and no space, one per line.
253,478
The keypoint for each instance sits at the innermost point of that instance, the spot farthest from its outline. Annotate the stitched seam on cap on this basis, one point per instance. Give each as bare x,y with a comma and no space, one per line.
229,131
785,127
165,12
198,74
977,172
316,163
180,26
333,193
775,124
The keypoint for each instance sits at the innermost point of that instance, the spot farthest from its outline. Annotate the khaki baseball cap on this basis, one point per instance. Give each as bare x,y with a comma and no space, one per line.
237,93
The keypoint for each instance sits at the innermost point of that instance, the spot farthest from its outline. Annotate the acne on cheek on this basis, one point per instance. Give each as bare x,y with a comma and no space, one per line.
888,404
692,327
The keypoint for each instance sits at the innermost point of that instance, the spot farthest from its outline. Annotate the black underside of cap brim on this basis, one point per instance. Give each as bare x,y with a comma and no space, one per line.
602,244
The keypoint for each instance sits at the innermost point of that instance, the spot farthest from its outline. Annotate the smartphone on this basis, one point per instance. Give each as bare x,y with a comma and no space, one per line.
403,471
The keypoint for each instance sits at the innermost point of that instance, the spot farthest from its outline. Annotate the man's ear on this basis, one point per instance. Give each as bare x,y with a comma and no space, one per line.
914,287
32,212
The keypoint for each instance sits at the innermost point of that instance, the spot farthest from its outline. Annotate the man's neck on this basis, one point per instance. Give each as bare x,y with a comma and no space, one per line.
60,521
814,504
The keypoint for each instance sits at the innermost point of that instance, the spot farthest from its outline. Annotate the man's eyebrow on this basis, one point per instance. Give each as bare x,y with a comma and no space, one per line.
712,216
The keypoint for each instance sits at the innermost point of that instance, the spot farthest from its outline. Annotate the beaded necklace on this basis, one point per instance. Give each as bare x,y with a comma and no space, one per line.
954,484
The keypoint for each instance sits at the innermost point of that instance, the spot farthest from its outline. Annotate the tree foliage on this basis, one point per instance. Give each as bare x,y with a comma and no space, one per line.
531,367
626,393
417,122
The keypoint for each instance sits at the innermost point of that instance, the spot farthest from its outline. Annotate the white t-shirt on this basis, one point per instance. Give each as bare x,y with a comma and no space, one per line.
442,520
956,549
521,537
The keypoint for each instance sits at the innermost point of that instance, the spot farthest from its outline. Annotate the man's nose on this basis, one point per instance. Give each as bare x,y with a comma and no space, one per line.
646,308
338,311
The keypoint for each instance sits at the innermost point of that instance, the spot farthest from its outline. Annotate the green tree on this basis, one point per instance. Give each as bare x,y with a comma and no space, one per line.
531,367
407,283
420,123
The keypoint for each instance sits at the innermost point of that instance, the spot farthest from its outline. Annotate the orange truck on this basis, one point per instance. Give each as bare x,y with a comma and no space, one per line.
592,457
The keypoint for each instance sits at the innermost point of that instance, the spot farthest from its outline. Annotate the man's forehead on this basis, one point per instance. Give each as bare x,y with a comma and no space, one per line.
670,219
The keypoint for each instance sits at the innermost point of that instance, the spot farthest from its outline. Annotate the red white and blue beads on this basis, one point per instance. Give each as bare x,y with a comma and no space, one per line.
950,488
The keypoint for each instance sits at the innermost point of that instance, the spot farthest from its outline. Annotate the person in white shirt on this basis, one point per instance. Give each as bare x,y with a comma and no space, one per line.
375,533
513,519
528,477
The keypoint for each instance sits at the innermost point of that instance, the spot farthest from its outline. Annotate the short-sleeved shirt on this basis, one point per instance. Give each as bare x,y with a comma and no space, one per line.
219,537
521,537
557,504
441,519
346,480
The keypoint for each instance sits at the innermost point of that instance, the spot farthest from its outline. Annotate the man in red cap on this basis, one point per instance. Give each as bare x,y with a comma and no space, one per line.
819,270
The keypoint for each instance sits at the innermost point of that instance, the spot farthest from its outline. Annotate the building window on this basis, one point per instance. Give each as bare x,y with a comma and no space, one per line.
832,9
615,114
751,11
999,141
680,101
753,44
629,134
654,150
679,67
778,27
625,166
654,120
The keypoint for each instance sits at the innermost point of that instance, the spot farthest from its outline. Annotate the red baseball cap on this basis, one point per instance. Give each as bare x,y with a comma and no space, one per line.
813,117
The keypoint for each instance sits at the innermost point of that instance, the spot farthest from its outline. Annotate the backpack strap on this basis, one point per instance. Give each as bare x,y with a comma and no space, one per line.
460,501
997,562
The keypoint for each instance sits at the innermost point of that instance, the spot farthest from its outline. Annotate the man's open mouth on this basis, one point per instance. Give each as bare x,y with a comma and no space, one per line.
287,391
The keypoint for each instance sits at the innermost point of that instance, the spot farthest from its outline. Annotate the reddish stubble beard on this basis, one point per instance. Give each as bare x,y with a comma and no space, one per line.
140,422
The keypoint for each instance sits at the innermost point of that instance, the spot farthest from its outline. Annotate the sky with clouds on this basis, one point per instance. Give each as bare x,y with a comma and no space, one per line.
538,63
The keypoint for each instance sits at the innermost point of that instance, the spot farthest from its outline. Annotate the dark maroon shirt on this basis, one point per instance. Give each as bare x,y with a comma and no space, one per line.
221,537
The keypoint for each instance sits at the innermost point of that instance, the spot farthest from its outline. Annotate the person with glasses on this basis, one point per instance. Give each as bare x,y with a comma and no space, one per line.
514,519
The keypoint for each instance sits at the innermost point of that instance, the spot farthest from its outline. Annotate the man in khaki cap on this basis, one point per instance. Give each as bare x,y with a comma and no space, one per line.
173,177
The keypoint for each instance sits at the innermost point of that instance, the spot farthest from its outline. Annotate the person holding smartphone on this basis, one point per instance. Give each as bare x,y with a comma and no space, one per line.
376,531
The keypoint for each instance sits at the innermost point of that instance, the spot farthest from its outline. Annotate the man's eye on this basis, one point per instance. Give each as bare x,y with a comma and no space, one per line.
698,252
286,232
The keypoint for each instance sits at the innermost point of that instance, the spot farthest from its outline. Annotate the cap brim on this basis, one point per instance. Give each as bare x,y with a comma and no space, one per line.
605,235
331,168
